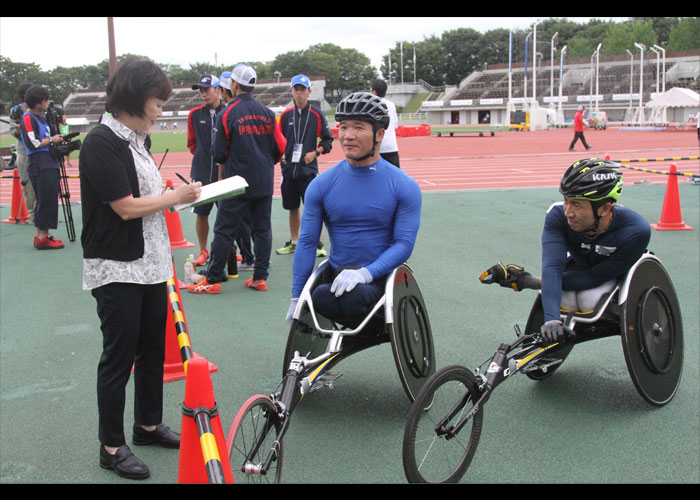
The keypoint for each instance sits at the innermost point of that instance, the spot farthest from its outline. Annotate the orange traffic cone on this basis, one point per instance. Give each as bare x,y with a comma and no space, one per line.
18,210
172,219
203,454
671,218
178,350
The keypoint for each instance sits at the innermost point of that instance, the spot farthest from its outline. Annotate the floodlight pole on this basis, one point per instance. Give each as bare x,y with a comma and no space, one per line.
551,70
561,82
509,108
641,48
527,38
663,67
597,74
663,75
590,82
534,63
629,111
657,66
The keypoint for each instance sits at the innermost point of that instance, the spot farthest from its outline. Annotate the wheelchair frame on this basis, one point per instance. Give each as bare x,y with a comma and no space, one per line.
257,432
445,427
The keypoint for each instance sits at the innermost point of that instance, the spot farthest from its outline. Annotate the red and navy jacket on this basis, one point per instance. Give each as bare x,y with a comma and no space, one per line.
248,142
200,133
305,127
33,129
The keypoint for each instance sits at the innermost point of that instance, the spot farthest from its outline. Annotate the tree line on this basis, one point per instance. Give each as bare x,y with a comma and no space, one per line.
439,60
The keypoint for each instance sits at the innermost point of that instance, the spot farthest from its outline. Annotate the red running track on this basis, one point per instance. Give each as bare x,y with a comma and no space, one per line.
507,160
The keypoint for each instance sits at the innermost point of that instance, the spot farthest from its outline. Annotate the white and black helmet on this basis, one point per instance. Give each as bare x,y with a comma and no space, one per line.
363,106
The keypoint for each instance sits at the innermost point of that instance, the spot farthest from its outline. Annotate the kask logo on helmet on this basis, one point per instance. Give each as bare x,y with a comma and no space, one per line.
605,177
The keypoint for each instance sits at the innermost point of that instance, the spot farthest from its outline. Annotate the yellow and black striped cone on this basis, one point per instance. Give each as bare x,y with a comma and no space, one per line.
203,454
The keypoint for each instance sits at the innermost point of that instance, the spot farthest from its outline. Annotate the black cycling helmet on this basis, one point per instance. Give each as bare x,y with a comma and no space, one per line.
363,106
598,181
592,179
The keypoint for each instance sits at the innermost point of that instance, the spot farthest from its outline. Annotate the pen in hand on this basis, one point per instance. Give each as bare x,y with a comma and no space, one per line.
182,178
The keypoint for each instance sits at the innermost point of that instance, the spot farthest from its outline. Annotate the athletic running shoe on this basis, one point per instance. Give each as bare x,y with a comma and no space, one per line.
320,251
202,258
47,243
204,287
288,247
258,285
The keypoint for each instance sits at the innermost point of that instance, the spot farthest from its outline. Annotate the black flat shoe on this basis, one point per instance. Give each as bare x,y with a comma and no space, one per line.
124,463
162,436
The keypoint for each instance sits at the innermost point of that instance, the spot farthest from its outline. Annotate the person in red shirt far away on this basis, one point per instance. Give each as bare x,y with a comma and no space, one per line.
578,129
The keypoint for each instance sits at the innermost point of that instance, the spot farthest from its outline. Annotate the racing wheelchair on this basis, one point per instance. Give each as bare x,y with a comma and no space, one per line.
314,346
444,424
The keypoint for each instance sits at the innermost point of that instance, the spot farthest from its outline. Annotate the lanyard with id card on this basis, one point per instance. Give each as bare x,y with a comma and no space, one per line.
299,141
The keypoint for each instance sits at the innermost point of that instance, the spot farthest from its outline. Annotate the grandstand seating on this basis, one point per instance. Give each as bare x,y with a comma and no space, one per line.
611,89
91,104
491,83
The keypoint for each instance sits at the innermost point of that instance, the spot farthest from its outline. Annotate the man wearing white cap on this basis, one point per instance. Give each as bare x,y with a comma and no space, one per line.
200,133
249,144
242,240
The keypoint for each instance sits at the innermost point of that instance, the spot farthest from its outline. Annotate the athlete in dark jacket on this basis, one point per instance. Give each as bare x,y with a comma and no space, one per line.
200,135
588,243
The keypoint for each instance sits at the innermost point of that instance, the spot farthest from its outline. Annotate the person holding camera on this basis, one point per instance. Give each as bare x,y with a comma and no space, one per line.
43,169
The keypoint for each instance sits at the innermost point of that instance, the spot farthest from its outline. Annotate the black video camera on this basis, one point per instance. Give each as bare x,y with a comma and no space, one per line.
16,113
54,117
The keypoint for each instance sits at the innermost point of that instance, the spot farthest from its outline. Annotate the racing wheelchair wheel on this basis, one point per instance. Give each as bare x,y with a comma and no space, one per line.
652,331
255,430
409,330
429,455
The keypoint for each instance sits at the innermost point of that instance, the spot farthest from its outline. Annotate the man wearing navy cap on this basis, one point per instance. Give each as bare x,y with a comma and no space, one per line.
200,134
302,125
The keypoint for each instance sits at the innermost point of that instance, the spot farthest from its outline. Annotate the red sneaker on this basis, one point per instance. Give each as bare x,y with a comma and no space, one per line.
202,258
48,243
204,287
258,285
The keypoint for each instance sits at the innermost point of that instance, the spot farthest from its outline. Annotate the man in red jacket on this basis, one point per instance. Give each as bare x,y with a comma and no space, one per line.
578,129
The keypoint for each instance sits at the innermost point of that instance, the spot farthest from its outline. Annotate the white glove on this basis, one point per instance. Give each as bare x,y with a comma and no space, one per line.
290,312
348,278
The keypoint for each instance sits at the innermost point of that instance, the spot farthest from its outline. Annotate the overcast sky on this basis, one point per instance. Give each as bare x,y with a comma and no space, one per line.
79,41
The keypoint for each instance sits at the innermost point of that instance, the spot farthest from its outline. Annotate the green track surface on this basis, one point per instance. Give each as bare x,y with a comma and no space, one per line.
585,424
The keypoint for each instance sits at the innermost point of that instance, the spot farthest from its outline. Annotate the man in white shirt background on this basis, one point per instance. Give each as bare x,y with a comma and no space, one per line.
389,149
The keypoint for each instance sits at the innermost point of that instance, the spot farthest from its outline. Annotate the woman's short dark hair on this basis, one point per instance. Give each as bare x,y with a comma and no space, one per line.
135,81
36,94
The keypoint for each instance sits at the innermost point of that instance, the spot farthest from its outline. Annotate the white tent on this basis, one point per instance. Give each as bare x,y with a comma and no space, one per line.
685,102
676,98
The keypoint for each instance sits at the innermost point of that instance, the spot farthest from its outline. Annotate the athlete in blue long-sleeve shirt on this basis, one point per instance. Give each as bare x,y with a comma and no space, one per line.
370,208
587,244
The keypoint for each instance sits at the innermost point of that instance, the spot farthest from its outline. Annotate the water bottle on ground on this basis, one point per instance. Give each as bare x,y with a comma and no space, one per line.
189,271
